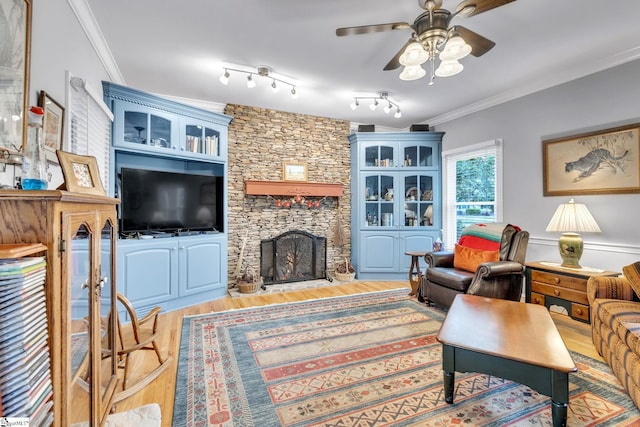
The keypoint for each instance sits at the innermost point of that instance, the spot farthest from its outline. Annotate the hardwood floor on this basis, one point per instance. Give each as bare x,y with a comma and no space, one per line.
576,335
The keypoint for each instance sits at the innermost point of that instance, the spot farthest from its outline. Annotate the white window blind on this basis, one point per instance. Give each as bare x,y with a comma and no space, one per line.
89,125
450,203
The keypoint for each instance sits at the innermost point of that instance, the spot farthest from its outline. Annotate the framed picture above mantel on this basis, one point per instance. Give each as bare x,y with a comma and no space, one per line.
601,162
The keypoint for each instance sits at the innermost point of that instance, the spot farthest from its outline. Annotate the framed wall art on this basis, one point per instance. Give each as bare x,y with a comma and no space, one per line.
81,174
52,126
294,171
601,162
15,43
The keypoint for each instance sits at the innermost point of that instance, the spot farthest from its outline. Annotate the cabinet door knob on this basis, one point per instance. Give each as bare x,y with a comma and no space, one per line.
556,280
556,292
579,311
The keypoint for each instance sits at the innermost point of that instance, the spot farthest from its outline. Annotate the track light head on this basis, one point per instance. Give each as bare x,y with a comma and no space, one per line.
294,93
374,105
354,104
224,79
250,82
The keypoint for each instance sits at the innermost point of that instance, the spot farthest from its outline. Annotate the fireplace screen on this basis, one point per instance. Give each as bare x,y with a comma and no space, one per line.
293,256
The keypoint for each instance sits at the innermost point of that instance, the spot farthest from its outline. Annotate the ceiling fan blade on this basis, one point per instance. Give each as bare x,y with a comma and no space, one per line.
476,7
395,61
479,44
366,29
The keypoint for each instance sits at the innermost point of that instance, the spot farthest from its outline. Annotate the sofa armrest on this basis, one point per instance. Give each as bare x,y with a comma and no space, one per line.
499,268
439,259
609,288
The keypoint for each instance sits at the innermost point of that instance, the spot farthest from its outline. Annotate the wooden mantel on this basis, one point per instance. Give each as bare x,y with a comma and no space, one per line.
291,188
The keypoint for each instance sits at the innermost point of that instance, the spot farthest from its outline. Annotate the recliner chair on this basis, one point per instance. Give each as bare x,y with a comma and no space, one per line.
502,278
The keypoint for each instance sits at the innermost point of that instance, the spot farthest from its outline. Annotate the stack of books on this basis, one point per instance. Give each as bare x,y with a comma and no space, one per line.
25,374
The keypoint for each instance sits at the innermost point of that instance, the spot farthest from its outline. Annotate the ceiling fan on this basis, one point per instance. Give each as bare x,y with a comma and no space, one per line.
433,36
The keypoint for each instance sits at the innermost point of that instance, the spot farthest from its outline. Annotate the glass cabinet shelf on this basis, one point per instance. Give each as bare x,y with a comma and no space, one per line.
147,129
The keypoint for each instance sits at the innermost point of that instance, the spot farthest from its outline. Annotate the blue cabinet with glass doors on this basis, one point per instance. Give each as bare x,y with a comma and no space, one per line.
396,200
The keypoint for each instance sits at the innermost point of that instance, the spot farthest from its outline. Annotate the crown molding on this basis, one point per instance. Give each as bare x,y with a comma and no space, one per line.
548,80
88,23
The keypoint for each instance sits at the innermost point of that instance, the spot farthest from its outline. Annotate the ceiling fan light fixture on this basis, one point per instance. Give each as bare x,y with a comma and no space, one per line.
224,79
414,54
412,72
456,48
449,68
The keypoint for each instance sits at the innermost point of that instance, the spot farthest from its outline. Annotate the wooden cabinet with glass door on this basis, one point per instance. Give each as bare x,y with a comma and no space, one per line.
79,232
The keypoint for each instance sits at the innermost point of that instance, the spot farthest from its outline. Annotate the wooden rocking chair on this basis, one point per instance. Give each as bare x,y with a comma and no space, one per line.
139,334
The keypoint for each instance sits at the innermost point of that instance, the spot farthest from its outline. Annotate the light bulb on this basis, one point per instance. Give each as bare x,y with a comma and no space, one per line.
374,105
354,104
449,68
398,114
294,94
412,72
250,82
456,48
224,79
414,54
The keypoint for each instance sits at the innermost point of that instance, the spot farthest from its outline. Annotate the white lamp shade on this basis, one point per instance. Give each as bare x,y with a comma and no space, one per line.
449,68
414,54
412,72
573,217
456,48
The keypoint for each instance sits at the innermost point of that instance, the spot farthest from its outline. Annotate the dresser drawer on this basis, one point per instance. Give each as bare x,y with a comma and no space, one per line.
579,296
579,311
559,280
537,298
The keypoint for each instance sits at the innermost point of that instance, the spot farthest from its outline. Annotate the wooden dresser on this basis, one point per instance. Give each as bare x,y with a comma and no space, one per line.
549,285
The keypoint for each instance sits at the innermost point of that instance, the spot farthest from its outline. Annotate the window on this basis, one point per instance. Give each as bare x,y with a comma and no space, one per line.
89,125
473,188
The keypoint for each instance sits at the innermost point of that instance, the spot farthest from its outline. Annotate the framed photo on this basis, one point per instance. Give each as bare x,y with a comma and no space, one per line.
602,162
15,43
81,174
293,171
52,126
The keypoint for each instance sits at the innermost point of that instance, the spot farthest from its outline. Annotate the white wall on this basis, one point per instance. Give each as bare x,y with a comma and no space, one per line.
58,45
603,100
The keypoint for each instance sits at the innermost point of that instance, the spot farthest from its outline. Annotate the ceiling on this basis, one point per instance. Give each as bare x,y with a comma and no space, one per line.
180,49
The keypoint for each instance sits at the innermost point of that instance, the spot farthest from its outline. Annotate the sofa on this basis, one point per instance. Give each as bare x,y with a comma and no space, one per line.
615,325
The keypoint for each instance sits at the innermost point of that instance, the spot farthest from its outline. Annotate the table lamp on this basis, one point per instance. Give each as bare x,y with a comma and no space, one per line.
570,219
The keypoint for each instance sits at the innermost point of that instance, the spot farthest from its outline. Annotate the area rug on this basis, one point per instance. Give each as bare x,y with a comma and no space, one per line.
363,360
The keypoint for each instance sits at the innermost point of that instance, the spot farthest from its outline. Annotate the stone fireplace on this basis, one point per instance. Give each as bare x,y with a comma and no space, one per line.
293,256
259,141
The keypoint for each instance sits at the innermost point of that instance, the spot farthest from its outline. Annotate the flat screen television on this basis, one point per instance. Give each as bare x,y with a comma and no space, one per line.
156,201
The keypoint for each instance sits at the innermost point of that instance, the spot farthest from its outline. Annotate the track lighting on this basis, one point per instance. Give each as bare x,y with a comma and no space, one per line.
262,71
375,100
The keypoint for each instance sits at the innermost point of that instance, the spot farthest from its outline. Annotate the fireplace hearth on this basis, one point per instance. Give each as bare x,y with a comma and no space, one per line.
293,256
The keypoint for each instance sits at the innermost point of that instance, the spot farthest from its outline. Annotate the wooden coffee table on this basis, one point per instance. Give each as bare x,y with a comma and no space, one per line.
506,339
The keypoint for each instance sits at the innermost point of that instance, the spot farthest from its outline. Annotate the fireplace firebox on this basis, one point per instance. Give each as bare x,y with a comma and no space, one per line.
293,256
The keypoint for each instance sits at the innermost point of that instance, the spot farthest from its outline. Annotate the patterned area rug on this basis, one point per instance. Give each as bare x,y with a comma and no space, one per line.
363,360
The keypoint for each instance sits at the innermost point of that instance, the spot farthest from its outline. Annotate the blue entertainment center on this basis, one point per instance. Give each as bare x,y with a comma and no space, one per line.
172,246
